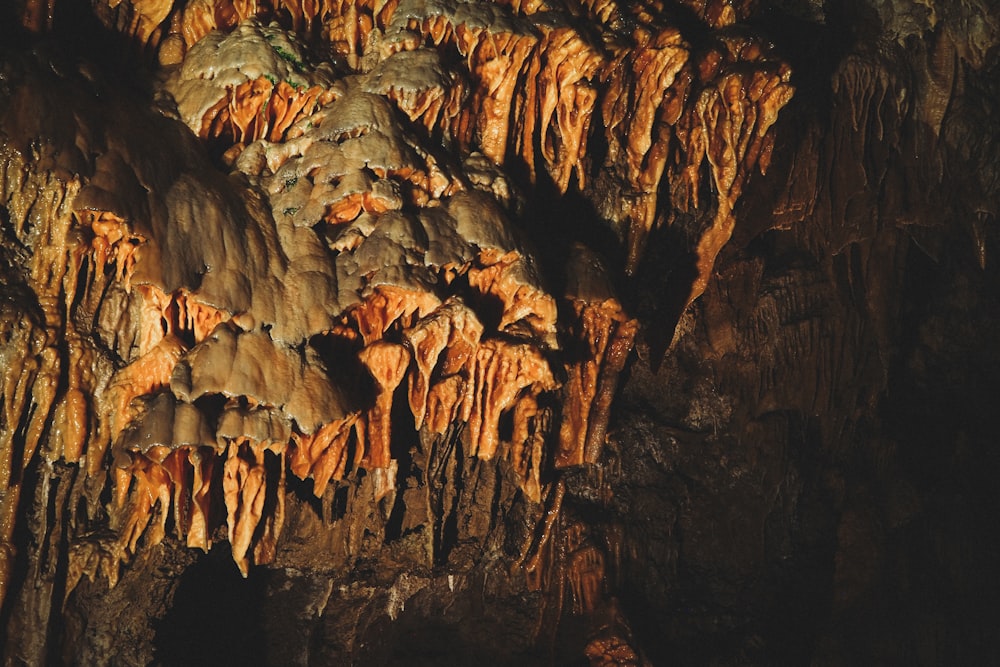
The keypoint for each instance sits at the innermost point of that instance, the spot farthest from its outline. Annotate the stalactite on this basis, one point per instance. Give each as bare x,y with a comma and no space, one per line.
365,229
734,115
401,247
253,83
37,207
444,345
387,363
246,485
534,83
603,336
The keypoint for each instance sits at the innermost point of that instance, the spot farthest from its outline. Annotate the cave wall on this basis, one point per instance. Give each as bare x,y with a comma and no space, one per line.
807,514
798,456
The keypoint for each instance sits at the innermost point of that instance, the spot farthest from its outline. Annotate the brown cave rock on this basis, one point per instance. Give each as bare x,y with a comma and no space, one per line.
534,332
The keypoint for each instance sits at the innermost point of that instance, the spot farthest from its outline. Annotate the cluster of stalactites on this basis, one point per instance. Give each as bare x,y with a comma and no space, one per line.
31,331
441,308
251,83
279,403
728,129
204,302
171,436
168,464
672,114
532,80
669,114
165,450
431,264
167,29
721,13
600,337
522,83
28,391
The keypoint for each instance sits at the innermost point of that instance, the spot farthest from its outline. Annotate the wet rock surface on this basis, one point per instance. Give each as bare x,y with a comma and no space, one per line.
518,333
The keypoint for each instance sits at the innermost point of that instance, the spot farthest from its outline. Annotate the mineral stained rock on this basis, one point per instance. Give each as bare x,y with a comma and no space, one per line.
370,325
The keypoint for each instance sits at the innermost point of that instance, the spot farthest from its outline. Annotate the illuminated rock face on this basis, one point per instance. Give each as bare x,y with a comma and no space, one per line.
317,302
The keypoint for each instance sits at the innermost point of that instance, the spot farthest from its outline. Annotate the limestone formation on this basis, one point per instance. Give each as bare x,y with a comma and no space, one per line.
598,324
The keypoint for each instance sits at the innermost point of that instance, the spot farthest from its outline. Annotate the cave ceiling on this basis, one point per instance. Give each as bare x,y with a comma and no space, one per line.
526,332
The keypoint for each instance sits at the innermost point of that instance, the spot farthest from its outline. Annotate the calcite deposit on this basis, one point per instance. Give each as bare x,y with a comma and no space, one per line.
548,316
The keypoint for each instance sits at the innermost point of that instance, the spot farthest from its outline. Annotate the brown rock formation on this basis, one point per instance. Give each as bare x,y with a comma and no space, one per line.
638,333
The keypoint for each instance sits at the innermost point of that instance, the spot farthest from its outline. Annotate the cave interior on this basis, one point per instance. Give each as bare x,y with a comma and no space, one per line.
527,332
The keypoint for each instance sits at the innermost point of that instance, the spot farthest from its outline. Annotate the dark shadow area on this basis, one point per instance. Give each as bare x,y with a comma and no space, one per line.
765,608
659,290
553,221
78,34
941,579
408,475
216,615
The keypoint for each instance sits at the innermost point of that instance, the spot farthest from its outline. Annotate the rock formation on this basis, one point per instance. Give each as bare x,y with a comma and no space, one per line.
542,331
